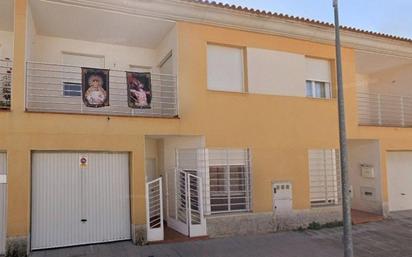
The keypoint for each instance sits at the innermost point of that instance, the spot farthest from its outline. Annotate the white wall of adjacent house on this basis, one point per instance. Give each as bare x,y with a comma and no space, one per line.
366,191
6,44
394,81
283,73
275,73
51,50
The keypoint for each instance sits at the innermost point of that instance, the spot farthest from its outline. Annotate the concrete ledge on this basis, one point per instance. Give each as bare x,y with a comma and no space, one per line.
139,234
239,224
260,223
17,246
302,218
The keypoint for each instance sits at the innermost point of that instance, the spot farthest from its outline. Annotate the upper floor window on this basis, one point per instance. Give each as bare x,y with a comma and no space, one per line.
318,78
72,89
318,89
225,68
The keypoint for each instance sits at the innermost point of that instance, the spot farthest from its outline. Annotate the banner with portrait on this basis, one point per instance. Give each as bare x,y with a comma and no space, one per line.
139,90
95,87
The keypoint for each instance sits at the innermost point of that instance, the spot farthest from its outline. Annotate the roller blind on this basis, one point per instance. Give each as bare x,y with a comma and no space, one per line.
225,68
318,69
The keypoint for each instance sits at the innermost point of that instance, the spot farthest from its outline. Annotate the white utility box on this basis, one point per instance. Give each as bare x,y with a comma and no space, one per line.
367,171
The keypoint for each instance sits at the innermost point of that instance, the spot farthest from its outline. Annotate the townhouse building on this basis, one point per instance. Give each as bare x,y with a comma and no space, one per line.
140,120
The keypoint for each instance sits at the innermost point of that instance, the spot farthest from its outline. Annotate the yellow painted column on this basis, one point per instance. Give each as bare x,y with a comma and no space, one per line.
20,18
18,154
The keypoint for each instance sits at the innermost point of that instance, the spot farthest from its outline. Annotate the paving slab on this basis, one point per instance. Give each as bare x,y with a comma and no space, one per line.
389,238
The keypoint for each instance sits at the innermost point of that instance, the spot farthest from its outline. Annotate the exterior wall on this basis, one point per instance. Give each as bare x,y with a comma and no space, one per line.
279,130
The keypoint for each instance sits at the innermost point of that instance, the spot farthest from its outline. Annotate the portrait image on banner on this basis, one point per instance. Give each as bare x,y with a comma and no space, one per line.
139,90
95,87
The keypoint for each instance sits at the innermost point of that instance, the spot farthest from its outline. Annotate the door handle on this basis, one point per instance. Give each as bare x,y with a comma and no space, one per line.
403,194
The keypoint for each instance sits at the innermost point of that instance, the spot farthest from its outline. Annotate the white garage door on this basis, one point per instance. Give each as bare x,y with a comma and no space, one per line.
400,180
3,201
74,203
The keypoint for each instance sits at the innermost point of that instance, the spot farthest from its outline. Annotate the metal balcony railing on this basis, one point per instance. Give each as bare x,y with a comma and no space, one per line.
57,88
5,83
384,110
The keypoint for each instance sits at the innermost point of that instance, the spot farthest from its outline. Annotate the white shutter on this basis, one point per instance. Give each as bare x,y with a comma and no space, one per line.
225,68
275,72
318,70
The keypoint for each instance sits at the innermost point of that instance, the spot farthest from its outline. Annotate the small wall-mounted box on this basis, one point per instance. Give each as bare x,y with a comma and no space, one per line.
3,179
367,171
368,193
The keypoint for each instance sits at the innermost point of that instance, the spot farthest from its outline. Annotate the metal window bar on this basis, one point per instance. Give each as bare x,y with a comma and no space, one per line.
45,92
226,177
324,173
384,110
6,68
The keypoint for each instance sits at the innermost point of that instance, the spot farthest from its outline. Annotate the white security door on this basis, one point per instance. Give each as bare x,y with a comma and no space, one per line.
188,218
399,165
154,210
79,198
3,202
197,223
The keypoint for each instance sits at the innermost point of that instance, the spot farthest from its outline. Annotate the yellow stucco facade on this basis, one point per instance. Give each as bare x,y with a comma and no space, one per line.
279,130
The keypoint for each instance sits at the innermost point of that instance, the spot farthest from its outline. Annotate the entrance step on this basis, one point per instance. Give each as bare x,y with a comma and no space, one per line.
172,236
361,217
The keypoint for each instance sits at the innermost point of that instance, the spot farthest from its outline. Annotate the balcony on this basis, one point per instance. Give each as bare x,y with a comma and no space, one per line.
57,88
384,110
383,90
105,40
5,83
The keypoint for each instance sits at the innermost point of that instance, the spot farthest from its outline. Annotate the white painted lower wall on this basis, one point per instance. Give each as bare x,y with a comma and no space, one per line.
365,152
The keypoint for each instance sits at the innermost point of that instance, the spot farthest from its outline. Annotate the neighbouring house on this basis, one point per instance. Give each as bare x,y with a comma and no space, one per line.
136,120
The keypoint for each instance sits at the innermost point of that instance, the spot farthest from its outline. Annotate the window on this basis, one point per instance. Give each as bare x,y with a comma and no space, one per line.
225,68
229,188
72,89
317,89
318,78
324,172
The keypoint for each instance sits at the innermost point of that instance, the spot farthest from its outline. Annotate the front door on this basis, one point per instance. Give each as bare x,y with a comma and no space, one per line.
187,212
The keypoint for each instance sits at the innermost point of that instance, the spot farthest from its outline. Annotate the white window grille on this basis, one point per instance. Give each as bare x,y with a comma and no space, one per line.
324,172
226,177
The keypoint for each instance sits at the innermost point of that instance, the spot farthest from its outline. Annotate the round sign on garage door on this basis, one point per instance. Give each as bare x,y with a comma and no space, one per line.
83,160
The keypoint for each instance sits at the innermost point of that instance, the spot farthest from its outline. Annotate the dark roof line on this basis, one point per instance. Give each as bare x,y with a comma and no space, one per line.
296,18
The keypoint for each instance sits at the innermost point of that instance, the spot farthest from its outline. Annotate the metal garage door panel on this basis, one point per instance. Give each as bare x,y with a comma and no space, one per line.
107,197
75,205
3,202
399,166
